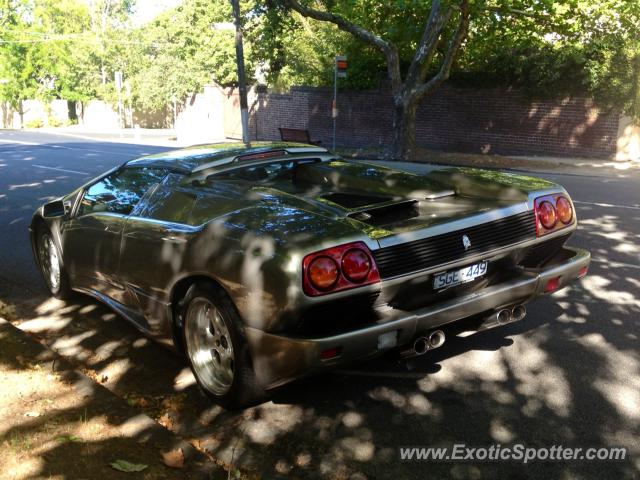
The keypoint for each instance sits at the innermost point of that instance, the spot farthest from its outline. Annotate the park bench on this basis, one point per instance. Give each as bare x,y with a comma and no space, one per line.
297,135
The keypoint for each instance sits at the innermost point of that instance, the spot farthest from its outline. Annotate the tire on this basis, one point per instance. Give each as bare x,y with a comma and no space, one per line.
217,349
51,266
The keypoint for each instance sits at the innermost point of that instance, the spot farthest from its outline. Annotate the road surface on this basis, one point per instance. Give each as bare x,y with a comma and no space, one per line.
568,375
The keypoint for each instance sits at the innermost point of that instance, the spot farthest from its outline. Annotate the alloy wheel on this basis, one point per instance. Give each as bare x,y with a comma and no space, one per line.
209,346
50,262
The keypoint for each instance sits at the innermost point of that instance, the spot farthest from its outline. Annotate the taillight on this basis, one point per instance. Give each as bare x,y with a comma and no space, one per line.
356,265
323,273
547,215
552,212
338,268
564,210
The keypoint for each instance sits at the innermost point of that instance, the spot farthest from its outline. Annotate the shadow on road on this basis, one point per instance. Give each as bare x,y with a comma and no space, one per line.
566,375
569,375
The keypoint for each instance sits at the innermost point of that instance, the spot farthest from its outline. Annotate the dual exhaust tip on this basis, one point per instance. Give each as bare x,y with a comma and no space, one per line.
506,315
423,344
436,338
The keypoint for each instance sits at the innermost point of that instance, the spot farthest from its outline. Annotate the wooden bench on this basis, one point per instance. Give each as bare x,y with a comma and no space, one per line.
297,135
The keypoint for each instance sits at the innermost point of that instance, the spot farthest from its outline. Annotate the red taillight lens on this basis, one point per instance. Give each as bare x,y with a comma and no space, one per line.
323,273
356,265
330,353
564,210
338,268
552,285
547,215
553,212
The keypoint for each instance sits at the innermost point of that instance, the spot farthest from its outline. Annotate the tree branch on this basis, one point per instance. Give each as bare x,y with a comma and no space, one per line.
511,11
428,43
515,12
454,45
388,49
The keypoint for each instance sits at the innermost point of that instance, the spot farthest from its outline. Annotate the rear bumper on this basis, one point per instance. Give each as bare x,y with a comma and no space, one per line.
280,358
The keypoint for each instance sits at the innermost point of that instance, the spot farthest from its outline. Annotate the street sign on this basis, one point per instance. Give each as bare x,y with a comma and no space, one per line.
340,71
341,66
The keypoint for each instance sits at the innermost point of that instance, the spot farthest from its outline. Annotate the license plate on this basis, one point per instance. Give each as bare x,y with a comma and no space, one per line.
456,277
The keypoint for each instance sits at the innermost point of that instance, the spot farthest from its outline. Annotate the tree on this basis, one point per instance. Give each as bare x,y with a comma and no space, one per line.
407,92
547,48
181,51
45,52
571,48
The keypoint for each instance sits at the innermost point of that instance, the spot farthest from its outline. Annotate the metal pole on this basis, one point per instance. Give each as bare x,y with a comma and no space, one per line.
119,109
334,106
242,81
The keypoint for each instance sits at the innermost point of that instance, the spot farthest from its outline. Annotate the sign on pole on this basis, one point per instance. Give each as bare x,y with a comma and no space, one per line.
340,71
341,66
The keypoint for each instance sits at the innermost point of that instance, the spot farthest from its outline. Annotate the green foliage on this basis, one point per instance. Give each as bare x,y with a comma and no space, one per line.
181,51
128,467
547,48
574,47
70,49
54,122
35,123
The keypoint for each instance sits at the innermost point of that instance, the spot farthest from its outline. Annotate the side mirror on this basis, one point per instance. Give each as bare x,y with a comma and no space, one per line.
54,209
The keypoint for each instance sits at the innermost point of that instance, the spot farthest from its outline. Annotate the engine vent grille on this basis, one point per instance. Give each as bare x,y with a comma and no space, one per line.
448,247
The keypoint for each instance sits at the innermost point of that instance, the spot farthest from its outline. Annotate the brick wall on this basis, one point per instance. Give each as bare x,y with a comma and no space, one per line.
463,120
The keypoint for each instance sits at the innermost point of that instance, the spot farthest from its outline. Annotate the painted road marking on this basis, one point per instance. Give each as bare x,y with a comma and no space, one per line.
19,142
61,169
106,152
608,205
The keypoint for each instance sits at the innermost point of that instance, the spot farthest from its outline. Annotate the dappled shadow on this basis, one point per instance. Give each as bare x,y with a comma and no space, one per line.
568,374
58,423
498,120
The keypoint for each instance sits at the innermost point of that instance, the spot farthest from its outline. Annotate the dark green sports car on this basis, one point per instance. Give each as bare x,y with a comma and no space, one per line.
268,263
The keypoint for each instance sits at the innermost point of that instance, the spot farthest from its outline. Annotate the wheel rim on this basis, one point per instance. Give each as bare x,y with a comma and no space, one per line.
50,261
209,346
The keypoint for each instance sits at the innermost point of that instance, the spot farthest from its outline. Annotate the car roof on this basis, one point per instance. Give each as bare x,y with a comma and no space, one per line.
199,157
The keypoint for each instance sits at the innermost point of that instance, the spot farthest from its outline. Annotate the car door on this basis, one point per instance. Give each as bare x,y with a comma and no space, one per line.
92,238
154,245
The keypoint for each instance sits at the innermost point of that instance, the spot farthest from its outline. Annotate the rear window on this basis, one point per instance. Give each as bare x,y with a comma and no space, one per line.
262,172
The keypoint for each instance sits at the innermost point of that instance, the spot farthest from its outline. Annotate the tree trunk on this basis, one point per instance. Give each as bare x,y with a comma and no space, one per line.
404,128
72,113
635,85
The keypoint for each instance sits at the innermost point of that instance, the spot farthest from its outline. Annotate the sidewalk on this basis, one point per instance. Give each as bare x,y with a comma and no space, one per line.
143,136
57,423
565,165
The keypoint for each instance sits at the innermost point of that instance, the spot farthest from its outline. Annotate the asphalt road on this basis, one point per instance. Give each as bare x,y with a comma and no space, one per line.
568,375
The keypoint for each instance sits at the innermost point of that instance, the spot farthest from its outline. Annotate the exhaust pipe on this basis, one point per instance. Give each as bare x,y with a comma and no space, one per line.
518,313
422,345
503,316
436,339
